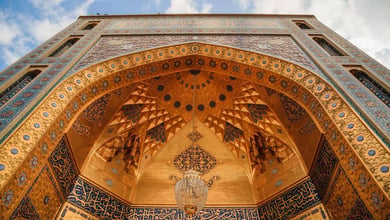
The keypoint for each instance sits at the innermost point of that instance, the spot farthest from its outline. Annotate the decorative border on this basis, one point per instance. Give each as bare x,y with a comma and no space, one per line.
324,167
291,202
64,167
343,201
37,202
103,205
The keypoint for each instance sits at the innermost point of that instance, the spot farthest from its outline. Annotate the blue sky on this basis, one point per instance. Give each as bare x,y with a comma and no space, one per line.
24,24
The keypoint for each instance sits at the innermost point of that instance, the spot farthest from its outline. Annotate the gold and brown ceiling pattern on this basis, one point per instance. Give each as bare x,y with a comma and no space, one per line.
156,109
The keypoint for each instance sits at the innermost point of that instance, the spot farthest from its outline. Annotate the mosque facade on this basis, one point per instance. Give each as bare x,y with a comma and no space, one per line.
281,117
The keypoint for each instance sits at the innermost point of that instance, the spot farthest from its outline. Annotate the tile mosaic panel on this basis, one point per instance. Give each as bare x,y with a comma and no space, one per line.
80,129
95,111
359,211
25,210
41,201
308,127
95,201
133,112
195,156
157,133
257,111
45,195
64,167
206,213
195,23
324,167
293,110
290,203
342,197
99,203
12,90
280,46
231,133
103,205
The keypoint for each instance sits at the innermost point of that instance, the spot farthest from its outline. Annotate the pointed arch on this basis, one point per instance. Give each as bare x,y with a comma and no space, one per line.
329,111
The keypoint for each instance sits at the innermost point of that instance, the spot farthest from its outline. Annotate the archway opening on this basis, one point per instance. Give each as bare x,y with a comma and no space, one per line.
327,110
254,133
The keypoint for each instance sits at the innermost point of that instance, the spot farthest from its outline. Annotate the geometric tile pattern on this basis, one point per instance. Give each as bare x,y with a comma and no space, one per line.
373,86
359,211
80,129
95,111
45,195
25,210
257,110
17,86
132,112
293,110
308,127
342,196
195,156
283,46
64,167
232,133
194,136
324,167
290,203
157,133
42,199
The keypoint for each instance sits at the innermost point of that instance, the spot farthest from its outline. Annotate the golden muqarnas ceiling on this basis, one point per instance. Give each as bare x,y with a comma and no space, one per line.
142,119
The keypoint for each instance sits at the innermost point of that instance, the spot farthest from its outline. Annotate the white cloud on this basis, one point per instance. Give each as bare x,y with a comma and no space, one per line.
20,46
13,42
188,6
45,28
358,21
206,8
46,5
244,4
83,8
280,6
182,6
9,29
18,32
383,55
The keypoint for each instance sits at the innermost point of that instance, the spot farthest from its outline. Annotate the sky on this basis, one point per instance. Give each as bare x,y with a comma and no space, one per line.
25,24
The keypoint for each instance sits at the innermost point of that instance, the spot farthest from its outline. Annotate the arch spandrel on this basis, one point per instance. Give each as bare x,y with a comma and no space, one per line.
329,111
